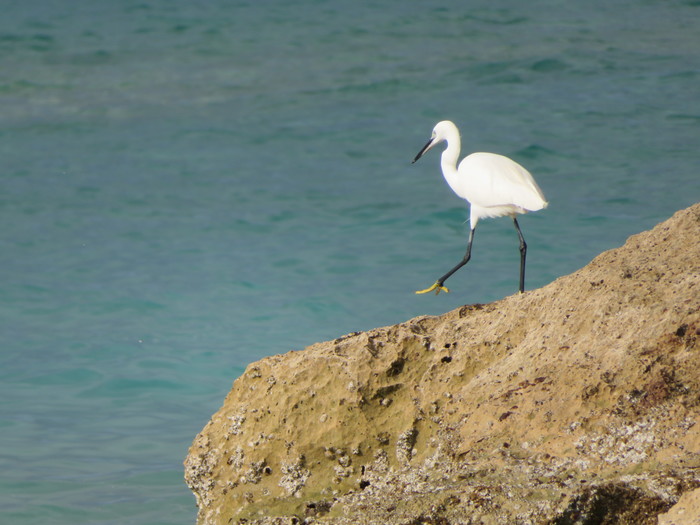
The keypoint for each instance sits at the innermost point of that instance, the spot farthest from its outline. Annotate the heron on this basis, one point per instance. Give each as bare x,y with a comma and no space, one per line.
494,186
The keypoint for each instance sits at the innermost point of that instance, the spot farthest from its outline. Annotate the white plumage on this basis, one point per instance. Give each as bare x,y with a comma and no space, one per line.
494,186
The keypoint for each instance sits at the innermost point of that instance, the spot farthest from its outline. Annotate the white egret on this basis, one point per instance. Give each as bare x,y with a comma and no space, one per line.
493,185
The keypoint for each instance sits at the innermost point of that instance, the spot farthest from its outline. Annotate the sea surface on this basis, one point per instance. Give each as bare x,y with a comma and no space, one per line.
189,186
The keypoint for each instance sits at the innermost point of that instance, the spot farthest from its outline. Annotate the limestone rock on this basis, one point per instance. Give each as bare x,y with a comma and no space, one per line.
685,512
576,403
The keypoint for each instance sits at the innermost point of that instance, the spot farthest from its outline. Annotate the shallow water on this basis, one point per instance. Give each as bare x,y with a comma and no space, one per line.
189,187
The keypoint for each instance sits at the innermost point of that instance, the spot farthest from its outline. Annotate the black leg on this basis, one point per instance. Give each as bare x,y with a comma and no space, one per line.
523,253
461,263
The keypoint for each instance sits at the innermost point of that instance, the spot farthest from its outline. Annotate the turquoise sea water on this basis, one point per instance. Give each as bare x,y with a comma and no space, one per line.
186,187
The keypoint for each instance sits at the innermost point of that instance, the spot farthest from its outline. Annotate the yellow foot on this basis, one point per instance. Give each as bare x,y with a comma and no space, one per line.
437,287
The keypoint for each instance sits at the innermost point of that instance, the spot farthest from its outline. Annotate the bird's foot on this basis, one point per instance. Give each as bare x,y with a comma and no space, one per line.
437,287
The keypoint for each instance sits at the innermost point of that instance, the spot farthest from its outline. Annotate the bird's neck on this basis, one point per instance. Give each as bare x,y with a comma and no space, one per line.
449,160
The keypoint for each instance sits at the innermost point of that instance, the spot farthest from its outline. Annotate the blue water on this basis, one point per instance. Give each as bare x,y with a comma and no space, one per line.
186,187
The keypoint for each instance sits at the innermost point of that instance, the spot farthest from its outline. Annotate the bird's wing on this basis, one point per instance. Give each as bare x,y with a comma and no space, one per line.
495,180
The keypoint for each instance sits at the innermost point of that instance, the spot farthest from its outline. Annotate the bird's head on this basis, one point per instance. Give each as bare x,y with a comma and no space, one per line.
443,130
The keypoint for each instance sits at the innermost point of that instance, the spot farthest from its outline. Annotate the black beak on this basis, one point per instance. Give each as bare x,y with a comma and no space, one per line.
420,153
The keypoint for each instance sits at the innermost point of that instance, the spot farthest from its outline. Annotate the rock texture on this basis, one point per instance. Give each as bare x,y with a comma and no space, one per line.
578,403
685,512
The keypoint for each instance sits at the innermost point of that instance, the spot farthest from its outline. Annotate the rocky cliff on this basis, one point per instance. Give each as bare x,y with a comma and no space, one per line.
577,403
